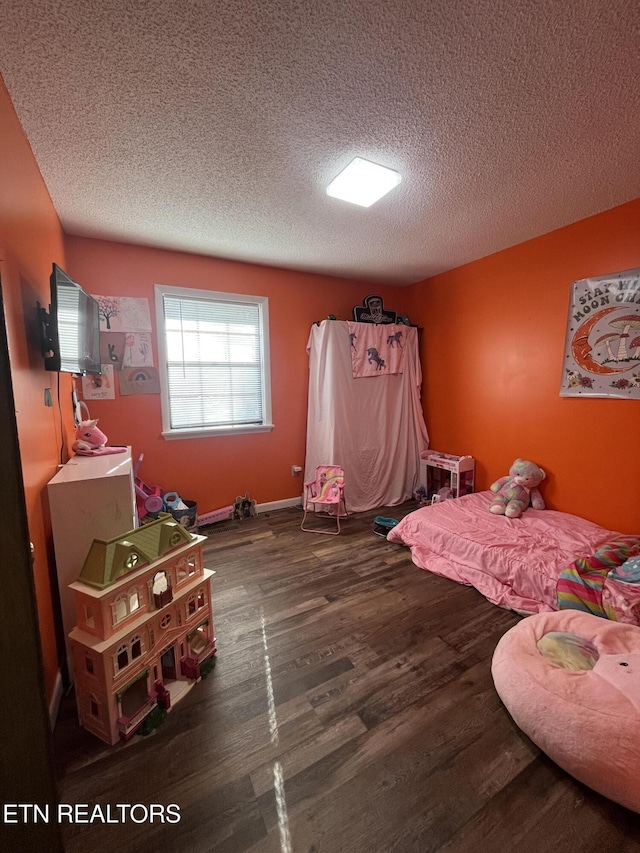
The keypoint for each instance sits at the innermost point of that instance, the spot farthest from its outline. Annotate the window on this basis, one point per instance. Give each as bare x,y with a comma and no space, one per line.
199,640
160,582
132,561
214,362
120,609
186,567
134,697
136,647
122,658
124,605
162,592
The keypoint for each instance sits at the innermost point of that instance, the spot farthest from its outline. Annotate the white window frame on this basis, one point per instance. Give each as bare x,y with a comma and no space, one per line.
126,598
134,592
262,302
122,599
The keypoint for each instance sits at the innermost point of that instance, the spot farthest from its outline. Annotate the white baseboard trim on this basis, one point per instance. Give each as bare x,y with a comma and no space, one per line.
273,505
54,705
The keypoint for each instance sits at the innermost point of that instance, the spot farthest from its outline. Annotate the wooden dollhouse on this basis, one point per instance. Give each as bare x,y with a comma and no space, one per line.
144,626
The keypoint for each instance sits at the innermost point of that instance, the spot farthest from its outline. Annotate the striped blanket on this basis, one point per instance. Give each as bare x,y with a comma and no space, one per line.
580,586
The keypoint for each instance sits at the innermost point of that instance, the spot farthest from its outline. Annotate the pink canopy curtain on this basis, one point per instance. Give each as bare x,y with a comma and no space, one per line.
372,426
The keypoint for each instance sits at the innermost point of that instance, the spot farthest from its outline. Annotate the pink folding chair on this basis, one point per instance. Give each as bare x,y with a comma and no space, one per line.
325,494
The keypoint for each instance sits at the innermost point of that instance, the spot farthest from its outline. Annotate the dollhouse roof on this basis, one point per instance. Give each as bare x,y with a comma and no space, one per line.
109,560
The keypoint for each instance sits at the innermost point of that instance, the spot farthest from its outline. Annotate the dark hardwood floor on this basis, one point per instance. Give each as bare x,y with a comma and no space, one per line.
351,709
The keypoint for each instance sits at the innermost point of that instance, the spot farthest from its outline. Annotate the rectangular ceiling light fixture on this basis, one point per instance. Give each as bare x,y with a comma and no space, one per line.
363,182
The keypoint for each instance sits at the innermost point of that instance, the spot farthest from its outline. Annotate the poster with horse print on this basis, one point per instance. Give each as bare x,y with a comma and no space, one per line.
376,350
602,349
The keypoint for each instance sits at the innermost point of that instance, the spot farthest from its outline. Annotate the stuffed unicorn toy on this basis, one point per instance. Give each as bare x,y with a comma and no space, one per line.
90,441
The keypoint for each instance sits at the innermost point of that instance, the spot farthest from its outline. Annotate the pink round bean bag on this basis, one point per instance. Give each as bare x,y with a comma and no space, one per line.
587,720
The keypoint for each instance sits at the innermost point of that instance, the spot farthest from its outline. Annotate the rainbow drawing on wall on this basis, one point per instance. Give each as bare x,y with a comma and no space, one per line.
602,350
139,380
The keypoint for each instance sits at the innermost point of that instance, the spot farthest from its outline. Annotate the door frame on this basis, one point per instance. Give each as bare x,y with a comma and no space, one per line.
27,769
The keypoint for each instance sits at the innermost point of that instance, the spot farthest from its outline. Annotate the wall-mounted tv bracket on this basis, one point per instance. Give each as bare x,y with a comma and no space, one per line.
44,328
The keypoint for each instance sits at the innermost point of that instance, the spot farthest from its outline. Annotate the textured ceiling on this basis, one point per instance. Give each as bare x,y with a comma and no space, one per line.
214,127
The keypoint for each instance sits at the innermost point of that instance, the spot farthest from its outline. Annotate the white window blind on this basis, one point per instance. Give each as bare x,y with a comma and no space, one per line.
214,351
69,336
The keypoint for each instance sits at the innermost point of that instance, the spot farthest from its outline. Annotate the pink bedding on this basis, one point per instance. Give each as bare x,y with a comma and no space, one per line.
513,562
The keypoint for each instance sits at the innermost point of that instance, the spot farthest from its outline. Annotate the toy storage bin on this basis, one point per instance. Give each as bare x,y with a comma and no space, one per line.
188,517
442,470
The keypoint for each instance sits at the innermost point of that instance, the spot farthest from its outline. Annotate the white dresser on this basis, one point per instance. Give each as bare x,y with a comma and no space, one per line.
91,497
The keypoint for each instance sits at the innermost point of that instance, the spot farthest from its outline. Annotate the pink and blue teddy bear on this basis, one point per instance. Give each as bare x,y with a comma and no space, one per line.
515,493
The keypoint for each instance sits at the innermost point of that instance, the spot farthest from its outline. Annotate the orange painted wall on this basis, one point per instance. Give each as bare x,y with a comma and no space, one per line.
493,346
30,240
214,471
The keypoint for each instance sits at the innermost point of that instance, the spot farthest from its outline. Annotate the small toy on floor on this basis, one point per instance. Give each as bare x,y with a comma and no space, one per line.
446,493
420,495
244,507
382,525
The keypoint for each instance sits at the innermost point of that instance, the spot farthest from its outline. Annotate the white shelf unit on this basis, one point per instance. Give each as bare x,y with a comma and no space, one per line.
91,497
442,470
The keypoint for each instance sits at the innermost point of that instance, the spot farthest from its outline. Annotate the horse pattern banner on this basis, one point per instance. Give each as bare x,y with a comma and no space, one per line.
602,349
376,350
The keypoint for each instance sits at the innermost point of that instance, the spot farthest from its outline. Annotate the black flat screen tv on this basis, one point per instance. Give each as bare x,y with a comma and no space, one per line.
71,327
